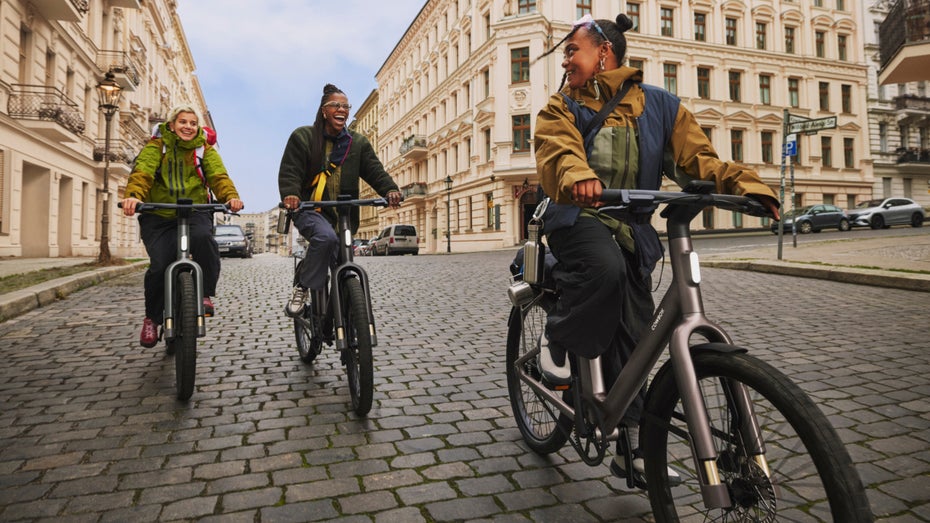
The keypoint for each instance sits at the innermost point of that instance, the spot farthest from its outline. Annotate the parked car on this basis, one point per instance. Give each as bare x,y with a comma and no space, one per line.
360,247
881,214
396,239
232,241
813,218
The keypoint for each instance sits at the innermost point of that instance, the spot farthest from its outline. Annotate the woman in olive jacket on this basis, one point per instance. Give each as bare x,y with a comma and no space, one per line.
320,162
178,162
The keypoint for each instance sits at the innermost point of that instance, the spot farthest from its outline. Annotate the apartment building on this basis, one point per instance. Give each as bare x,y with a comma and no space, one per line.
460,91
366,123
899,102
52,130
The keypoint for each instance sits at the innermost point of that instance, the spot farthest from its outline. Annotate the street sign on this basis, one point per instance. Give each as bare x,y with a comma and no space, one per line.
791,149
812,126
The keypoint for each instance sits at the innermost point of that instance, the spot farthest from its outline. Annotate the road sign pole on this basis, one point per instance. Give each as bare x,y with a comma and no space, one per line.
781,196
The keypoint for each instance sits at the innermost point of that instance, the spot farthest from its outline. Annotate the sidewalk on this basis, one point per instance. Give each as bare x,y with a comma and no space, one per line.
900,262
14,303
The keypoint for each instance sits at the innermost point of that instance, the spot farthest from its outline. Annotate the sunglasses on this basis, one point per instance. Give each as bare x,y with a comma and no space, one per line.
588,22
338,105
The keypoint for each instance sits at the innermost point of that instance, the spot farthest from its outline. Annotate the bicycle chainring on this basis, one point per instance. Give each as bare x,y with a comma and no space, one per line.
585,441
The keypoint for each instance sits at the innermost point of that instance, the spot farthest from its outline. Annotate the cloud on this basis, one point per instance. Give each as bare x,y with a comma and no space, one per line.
262,66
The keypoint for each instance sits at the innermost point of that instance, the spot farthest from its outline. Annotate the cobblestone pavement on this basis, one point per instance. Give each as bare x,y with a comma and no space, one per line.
90,430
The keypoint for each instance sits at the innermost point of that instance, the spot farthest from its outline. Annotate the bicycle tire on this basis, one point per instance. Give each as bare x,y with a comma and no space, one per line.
309,345
812,476
542,433
358,356
185,356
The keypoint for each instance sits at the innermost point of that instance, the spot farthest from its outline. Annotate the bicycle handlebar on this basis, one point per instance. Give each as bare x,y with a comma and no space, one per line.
309,206
622,199
210,207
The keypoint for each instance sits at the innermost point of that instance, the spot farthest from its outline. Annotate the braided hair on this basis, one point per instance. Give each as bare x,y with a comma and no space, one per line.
610,31
318,147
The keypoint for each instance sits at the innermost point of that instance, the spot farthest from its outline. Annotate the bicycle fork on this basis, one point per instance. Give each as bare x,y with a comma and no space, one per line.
183,263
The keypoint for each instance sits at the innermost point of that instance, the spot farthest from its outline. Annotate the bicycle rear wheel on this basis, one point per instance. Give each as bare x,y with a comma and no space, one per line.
357,356
185,341
309,343
812,477
543,433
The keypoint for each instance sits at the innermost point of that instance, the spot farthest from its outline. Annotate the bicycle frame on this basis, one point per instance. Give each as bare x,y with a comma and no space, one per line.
346,267
679,315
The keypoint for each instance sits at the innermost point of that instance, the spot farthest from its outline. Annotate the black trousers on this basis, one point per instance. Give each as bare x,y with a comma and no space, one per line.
322,249
160,236
604,305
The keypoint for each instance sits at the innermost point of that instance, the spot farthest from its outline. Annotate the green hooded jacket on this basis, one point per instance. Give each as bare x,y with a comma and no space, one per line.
163,178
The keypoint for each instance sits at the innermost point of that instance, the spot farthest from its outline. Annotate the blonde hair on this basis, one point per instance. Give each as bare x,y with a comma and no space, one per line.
183,108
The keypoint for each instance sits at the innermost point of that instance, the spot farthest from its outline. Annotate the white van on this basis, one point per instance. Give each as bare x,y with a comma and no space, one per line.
396,239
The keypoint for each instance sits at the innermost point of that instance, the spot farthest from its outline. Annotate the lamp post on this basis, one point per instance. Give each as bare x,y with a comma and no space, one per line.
448,181
109,92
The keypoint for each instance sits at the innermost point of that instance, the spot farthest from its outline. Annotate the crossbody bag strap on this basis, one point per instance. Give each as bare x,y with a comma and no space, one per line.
598,120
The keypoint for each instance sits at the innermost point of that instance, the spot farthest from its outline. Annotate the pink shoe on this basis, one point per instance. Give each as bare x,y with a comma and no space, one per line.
149,336
207,307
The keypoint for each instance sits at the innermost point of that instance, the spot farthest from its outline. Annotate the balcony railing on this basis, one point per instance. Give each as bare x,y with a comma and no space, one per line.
38,102
65,10
124,70
907,22
913,155
413,189
911,102
413,146
121,151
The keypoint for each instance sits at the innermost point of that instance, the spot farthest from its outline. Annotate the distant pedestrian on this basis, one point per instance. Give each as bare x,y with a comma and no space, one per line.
179,162
320,162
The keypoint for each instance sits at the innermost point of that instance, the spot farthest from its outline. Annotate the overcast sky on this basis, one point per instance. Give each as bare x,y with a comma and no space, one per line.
262,65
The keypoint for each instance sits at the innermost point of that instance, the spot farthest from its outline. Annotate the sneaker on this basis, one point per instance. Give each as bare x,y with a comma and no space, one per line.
618,469
298,300
149,336
553,364
207,307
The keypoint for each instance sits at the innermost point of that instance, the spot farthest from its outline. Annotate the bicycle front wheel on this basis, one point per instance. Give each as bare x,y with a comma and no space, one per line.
357,355
811,476
544,428
185,342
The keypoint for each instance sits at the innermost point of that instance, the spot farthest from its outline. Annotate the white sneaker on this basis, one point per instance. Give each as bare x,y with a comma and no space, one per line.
618,469
297,302
552,373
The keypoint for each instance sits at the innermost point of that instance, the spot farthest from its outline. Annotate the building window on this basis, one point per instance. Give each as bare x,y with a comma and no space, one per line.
846,95
582,7
487,145
824,90
670,73
736,147
841,47
520,65
789,40
819,46
708,132
767,146
526,6
521,133
703,82
667,19
848,157
486,82
489,204
632,11
883,137
794,92
735,77
826,151
765,89
761,30
636,64
818,3
840,5
731,31
700,27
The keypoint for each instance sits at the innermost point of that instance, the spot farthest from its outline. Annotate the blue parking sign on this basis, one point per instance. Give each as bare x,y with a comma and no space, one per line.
790,149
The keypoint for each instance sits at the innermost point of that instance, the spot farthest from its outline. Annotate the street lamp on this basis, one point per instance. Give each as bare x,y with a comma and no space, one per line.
109,92
448,181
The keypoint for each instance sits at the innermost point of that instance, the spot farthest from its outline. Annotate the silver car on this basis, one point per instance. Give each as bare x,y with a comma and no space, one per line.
881,214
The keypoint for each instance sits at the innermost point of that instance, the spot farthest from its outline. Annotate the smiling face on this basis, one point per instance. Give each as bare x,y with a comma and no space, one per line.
583,56
185,125
336,113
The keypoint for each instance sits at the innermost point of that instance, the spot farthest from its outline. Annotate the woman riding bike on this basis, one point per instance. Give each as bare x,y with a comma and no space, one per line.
171,166
321,162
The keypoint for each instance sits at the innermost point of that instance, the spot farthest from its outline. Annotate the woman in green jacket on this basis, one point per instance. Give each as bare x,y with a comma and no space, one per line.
321,162
168,168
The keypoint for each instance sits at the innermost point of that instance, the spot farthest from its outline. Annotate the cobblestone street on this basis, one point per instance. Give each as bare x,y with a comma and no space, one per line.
90,429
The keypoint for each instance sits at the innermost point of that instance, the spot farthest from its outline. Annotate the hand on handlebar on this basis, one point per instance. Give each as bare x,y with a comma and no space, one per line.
394,198
587,193
235,205
129,206
770,204
291,202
